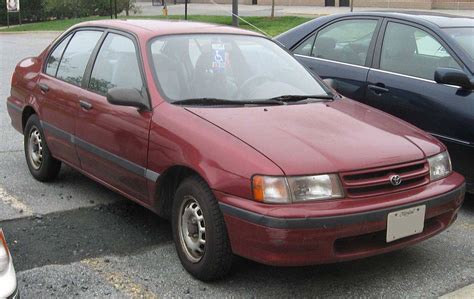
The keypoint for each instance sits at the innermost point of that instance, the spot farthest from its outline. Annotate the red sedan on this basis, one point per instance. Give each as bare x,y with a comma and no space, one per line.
226,134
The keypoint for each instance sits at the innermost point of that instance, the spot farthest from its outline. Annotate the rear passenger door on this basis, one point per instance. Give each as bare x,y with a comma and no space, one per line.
59,88
112,141
342,51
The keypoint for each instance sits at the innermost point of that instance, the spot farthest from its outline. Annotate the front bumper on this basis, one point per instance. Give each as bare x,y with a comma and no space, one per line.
332,231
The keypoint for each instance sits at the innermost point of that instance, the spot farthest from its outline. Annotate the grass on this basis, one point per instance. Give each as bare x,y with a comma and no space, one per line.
271,26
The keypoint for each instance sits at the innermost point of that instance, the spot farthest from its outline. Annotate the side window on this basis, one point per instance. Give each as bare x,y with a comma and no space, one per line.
53,60
411,51
345,41
116,65
73,64
306,47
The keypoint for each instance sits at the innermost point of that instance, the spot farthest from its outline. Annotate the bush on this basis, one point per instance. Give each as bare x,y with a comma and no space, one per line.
31,11
40,10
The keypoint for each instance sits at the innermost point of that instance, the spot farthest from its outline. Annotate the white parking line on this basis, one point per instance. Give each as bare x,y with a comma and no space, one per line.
466,292
14,203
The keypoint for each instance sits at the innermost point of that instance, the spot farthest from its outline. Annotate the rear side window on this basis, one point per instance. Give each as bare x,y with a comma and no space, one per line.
346,41
55,57
116,65
75,58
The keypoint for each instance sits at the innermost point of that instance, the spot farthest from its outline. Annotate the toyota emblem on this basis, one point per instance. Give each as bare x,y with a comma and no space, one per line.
395,180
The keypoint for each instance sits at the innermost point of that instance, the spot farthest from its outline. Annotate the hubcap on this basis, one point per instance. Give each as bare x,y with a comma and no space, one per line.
192,229
35,148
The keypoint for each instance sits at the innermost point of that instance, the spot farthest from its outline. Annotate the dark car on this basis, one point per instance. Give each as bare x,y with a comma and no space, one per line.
213,127
416,66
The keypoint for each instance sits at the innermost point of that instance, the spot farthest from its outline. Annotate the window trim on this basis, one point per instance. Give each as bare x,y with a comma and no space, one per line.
370,51
88,71
96,55
134,38
378,48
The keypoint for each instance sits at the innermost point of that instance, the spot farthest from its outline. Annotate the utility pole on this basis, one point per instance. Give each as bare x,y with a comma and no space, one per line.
352,5
115,10
111,10
235,13
185,9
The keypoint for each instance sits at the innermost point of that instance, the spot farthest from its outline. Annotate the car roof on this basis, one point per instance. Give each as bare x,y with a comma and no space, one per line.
165,27
442,20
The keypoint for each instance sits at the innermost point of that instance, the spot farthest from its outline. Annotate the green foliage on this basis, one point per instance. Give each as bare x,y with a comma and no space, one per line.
41,10
31,11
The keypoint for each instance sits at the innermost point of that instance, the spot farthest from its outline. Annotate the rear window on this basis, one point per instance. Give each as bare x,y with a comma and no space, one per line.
75,58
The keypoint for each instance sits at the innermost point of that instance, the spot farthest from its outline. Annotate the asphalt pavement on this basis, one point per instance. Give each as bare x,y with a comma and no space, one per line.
75,238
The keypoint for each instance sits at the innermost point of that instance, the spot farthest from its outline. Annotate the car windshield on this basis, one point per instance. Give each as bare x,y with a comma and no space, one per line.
237,68
464,36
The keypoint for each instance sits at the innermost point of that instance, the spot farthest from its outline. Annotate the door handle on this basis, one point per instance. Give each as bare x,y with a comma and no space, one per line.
85,105
44,87
379,88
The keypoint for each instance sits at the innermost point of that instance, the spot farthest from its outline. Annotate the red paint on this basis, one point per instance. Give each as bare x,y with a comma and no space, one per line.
227,146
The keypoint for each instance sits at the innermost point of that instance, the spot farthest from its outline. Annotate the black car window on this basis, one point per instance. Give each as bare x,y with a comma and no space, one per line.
53,59
73,64
345,41
411,51
116,65
306,47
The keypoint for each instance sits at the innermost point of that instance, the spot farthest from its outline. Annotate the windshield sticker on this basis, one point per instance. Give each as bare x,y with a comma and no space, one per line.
219,57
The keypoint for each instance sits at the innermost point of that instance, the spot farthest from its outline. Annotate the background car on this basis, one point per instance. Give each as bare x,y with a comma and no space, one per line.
8,283
416,66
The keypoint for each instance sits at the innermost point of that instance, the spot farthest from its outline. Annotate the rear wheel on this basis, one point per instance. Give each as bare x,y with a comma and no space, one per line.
41,163
199,231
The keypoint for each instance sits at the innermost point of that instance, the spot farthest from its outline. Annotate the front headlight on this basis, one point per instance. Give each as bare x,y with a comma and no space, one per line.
296,189
440,166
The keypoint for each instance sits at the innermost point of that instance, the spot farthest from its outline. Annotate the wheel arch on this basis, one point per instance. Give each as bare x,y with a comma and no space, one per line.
27,112
167,185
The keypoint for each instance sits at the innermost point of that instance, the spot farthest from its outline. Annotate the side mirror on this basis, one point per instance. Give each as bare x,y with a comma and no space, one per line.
127,97
453,77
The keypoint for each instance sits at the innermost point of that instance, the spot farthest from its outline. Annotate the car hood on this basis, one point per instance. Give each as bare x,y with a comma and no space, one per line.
323,137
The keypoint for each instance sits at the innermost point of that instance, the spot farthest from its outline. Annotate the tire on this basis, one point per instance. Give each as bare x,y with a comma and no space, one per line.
194,198
43,167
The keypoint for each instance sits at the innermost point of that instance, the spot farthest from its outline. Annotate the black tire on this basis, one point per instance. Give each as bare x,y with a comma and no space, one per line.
216,261
48,168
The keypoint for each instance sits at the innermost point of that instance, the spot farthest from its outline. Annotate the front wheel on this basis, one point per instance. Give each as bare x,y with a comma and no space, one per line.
199,231
41,163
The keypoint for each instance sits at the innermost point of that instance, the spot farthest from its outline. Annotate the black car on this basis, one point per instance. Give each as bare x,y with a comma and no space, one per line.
416,66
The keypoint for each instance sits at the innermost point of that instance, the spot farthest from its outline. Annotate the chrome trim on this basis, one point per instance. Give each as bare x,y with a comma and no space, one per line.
451,139
374,69
338,62
126,164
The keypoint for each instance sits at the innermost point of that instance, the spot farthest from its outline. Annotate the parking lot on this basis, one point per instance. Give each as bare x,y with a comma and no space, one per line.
74,237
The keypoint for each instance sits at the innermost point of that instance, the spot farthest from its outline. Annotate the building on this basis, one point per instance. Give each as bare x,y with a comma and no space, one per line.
407,4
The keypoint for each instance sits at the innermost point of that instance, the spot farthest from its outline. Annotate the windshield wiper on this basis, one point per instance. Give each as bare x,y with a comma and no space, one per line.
297,98
217,101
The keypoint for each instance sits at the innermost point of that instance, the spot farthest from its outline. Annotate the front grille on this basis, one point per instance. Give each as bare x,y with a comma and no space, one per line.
376,181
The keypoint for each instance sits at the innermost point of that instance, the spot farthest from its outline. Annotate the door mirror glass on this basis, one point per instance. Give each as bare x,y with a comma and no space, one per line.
453,77
127,97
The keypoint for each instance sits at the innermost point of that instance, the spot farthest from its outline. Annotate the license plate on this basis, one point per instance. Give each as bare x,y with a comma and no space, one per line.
404,223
